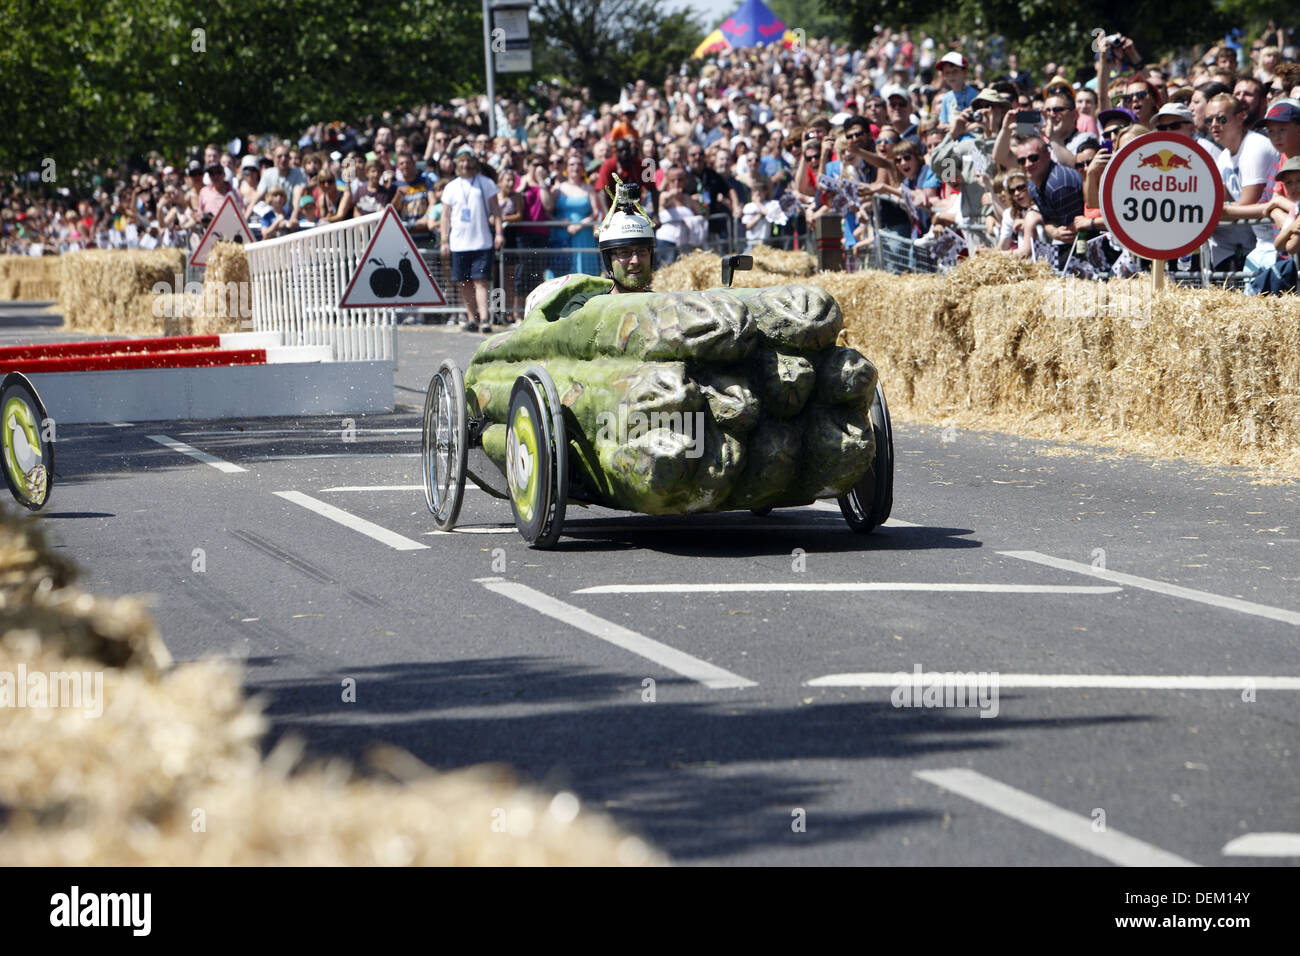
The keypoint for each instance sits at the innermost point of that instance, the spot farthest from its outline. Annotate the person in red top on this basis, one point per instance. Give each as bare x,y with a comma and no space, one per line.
631,167
211,197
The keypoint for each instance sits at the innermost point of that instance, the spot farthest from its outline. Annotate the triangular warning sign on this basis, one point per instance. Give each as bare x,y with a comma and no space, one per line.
392,273
227,226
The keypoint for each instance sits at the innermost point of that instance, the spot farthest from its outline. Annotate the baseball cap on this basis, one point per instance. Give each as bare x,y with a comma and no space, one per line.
306,200
1283,111
1176,110
249,162
891,90
193,168
462,151
955,58
839,119
1115,113
1292,165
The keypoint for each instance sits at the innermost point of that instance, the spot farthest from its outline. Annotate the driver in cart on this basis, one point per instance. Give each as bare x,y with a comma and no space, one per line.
627,247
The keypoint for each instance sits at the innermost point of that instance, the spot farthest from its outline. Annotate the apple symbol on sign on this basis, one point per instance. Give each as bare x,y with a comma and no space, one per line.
385,282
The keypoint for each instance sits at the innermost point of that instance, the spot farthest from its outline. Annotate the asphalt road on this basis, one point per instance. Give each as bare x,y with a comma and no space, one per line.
470,647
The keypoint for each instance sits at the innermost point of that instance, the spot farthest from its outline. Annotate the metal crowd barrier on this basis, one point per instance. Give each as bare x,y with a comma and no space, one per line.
899,254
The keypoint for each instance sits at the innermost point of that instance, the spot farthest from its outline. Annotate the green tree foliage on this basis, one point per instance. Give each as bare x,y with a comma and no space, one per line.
1039,30
118,77
604,43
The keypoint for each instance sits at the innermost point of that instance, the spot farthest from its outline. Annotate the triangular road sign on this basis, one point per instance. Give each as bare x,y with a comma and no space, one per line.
392,273
227,226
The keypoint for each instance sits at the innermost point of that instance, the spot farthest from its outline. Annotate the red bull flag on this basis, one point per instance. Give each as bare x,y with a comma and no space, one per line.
754,24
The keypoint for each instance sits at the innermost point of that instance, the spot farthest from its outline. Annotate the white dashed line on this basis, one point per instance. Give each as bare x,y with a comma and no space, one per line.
1264,844
710,675
1160,587
1069,681
787,586
1077,830
391,538
191,451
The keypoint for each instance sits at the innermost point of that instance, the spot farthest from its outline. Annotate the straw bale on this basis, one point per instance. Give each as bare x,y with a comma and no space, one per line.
100,289
30,278
118,780
1001,343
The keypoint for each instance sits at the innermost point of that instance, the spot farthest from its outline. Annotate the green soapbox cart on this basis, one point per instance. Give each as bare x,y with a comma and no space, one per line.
661,403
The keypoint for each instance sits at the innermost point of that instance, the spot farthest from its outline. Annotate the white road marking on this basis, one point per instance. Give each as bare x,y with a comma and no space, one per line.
471,529
379,488
1069,681
302,432
349,520
359,454
1109,844
710,675
468,487
191,451
1160,587
786,586
1264,844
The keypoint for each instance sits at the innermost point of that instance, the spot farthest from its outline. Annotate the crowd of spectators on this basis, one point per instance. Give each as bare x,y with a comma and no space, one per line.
907,137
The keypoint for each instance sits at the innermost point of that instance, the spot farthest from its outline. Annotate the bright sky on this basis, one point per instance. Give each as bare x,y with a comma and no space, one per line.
712,12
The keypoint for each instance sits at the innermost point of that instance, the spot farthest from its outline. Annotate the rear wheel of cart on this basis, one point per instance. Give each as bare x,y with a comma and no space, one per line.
445,444
869,502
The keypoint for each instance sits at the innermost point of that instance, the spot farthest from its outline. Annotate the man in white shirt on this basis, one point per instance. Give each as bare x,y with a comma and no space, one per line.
281,174
1245,164
471,229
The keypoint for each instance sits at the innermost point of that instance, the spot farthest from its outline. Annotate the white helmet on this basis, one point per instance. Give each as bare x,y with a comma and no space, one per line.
626,225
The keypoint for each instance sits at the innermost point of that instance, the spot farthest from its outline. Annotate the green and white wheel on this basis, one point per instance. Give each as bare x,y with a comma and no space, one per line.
28,457
536,459
869,502
445,444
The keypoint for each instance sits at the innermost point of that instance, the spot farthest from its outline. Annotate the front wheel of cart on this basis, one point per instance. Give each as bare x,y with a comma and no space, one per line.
28,444
445,444
537,458
869,502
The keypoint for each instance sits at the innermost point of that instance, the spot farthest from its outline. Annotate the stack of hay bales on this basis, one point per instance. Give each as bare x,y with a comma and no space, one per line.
120,292
110,291
29,278
1004,344
170,771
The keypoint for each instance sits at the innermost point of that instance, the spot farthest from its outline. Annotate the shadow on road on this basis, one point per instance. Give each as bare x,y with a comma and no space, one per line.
682,774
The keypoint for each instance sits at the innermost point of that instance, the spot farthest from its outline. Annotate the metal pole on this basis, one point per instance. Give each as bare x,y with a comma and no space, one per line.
491,73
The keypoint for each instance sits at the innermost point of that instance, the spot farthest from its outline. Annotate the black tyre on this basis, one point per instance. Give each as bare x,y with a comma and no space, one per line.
445,444
28,458
868,504
761,512
537,459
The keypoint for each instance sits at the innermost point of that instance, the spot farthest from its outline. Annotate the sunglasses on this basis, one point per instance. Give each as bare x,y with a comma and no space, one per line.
1222,119
1170,127
856,134
1018,189
1137,97
887,141
1113,131
1057,109
1029,160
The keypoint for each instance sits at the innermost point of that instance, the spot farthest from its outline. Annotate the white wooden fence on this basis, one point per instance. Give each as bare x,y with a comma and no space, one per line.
298,280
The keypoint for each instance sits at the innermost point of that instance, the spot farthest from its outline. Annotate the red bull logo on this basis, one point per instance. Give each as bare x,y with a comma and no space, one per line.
1164,161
